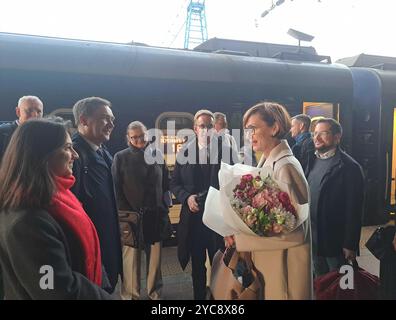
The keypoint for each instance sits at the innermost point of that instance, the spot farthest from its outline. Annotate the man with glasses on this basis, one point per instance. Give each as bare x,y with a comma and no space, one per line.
337,192
190,184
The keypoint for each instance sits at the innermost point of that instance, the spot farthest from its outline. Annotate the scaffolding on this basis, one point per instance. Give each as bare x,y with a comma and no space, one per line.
196,29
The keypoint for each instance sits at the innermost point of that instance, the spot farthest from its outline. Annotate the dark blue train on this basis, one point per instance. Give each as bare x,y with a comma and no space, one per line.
155,85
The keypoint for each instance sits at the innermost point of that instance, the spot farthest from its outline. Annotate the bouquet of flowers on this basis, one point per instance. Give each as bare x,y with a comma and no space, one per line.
262,206
251,202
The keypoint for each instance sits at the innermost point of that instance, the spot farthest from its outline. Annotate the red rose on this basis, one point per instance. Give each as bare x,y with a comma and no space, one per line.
284,199
247,178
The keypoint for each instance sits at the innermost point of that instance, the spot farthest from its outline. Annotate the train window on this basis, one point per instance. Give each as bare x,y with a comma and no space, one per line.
65,113
182,120
171,143
321,109
317,110
393,182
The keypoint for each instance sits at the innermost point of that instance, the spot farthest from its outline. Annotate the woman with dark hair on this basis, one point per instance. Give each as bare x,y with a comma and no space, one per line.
49,248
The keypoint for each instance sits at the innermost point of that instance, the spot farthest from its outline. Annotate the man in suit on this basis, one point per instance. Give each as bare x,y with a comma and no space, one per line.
29,107
94,182
190,182
337,193
299,131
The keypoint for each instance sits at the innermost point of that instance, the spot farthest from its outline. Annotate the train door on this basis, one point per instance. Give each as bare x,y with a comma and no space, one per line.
388,111
392,166
368,146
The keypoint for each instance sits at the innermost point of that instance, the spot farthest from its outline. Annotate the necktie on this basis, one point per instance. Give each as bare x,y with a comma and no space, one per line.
101,153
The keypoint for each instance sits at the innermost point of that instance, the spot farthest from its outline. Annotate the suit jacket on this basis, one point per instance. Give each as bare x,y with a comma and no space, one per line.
30,239
186,181
340,205
6,131
284,261
141,185
94,188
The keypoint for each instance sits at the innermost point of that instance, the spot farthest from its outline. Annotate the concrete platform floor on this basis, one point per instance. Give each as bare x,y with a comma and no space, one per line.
178,284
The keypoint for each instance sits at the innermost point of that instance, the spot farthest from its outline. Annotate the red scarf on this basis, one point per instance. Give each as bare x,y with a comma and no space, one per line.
66,208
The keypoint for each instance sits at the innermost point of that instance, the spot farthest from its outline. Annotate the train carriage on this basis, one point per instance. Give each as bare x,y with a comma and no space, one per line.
155,85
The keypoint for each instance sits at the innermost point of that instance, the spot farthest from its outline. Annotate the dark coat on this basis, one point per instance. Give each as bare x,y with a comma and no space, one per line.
184,183
6,131
303,150
340,206
30,239
94,188
139,185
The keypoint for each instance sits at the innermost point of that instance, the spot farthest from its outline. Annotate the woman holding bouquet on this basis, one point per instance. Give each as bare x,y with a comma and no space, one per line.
284,261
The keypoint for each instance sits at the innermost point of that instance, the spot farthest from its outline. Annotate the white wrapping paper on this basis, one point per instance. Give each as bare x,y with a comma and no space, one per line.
219,214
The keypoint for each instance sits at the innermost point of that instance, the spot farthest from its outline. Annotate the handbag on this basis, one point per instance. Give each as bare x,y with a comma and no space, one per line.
366,286
224,284
380,242
131,228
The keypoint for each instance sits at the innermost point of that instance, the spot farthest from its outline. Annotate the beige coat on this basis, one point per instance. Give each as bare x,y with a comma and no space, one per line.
284,262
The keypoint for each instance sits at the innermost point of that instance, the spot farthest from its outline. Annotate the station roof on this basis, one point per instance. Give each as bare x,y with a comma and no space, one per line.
254,49
368,61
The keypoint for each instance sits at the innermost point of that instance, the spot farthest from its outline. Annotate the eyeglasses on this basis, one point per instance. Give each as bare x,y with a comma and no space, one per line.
207,126
137,138
321,134
248,132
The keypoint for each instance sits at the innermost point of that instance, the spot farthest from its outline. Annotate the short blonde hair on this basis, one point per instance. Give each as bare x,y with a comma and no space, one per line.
271,113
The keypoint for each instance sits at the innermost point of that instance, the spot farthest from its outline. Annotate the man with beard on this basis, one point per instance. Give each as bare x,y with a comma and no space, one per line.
337,192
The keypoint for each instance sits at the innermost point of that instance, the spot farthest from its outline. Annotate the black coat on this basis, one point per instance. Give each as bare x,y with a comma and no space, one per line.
30,239
139,185
304,150
94,188
184,183
6,131
340,206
